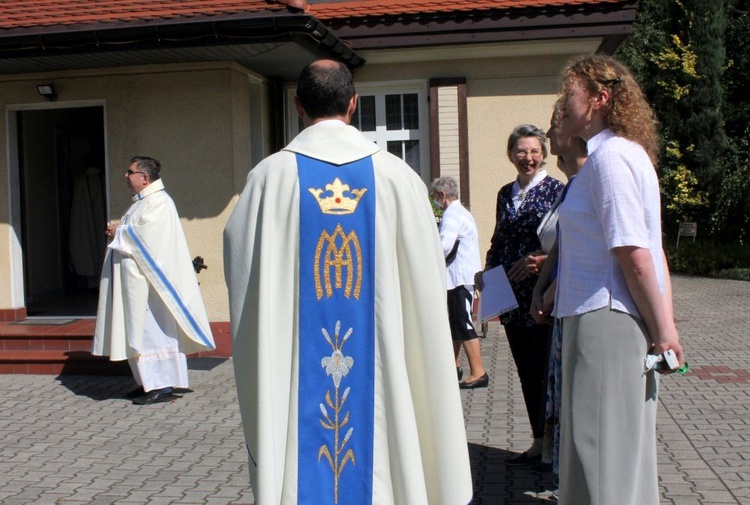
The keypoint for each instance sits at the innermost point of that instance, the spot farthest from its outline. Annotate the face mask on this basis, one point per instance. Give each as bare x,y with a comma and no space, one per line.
436,200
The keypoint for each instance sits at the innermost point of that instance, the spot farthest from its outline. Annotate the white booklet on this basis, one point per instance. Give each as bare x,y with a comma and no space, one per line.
497,297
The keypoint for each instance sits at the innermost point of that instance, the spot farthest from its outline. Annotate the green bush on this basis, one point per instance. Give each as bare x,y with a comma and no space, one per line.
731,261
738,274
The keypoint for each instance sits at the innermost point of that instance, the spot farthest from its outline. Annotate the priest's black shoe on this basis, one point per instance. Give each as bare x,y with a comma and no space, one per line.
481,382
155,397
136,393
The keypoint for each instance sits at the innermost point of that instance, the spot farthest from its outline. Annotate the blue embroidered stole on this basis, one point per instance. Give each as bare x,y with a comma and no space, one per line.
336,332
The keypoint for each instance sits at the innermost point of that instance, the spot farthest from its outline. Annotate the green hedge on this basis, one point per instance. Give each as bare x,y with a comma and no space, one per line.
729,261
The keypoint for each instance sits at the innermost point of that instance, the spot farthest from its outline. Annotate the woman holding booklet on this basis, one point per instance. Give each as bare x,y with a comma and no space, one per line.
521,204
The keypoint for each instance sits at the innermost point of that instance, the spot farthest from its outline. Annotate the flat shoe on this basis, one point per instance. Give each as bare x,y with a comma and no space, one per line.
523,459
481,382
541,467
135,393
154,397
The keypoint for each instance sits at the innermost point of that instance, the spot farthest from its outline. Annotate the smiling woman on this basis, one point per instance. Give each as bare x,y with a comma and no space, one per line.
521,204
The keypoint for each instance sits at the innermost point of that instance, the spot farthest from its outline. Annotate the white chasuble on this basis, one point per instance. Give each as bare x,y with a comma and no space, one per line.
342,352
148,267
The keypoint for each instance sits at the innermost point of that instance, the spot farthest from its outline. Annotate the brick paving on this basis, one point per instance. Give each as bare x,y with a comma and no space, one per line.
77,440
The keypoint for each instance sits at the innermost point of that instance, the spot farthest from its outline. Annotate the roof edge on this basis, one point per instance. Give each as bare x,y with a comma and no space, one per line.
229,30
612,21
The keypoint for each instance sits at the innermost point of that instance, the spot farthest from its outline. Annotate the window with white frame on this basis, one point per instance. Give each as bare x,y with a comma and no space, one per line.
395,116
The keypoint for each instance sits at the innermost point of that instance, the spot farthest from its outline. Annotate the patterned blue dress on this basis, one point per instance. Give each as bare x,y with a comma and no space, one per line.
515,236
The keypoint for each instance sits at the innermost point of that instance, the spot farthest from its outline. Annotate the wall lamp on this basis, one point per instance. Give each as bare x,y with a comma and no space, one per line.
47,91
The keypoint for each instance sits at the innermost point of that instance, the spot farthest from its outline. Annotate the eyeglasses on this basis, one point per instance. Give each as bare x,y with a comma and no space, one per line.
131,172
534,153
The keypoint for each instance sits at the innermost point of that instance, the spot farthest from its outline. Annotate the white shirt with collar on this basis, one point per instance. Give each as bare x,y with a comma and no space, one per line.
614,202
458,224
518,194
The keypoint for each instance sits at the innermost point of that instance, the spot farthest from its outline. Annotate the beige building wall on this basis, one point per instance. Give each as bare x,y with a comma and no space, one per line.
194,118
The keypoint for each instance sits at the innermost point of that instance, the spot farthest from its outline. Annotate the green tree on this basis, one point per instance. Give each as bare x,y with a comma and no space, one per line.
701,134
731,216
737,75
677,53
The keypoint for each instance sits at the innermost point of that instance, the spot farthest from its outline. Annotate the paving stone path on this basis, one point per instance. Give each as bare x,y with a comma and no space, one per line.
78,441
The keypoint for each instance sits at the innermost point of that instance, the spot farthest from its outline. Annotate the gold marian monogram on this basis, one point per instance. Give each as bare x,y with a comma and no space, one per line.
338,258
337,203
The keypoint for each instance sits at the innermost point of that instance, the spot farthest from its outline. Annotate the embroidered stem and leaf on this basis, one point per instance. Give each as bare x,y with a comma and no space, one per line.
337,366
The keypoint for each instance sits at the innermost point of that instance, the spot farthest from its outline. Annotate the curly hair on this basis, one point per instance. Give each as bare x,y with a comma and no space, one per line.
627,113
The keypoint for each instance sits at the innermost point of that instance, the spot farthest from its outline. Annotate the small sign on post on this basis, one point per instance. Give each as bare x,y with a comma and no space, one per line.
687,230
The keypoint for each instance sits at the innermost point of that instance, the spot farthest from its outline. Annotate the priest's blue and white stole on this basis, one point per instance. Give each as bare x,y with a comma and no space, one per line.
336,332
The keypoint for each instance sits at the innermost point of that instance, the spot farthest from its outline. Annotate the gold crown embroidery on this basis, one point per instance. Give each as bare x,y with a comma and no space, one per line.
337,203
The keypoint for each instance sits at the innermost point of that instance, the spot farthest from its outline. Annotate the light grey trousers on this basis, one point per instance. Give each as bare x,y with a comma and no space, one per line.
608,417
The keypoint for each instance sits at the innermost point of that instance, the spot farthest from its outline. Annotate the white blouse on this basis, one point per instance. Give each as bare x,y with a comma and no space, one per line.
614,202
458,223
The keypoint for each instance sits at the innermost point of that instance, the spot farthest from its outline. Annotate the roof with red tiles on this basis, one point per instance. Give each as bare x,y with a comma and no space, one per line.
21,14
378,8
36,13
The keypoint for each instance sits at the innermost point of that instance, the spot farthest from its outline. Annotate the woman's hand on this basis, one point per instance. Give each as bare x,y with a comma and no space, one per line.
537,309
548,300
656,312
542,304
478,281
665,343
531,264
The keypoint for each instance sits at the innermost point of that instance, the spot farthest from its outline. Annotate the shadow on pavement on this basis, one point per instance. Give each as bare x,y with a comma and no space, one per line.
495,483
117,386
204,364
98,387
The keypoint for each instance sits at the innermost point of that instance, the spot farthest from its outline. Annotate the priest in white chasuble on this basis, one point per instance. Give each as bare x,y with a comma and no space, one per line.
341,346
150,311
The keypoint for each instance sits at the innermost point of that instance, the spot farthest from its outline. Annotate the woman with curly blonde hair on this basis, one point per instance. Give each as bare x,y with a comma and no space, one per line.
613,293
628,113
